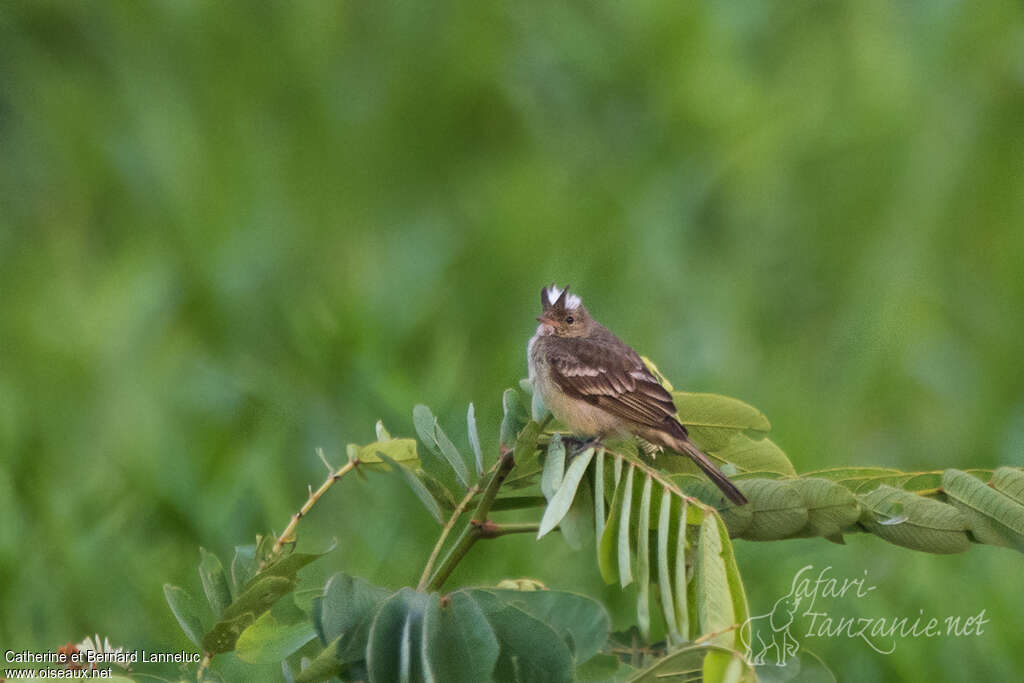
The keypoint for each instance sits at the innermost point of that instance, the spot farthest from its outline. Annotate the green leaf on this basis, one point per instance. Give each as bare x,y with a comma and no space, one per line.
930,526
287,565
1010,482
259,596
992,516
250,604
458,642
599,497
603,669
344,613
718,412
525,455
275,635
691,664
554,467
324,666
399,450
682,607
186,610
582,622
429,502
608,544
831,508
803,667
519,503
243,565
737,517
474,440
576,527
643,557
748,454
452,455
438,443
714,412
761,474
433,462
531,651
715,609
304,598
741,608
563,497
866,479
438,490
514,418
664,577
526,444
537,408
522,584
625,570
725,667
394,651
423,421
264,548
777,507
215,582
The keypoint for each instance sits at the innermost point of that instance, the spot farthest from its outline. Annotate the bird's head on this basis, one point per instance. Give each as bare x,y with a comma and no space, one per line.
563,314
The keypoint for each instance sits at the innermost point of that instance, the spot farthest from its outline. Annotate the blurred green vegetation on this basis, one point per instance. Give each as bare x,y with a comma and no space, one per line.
233,232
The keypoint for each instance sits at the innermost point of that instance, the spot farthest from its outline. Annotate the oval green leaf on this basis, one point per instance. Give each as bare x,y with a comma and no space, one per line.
458,642
930,526
215,582
563,497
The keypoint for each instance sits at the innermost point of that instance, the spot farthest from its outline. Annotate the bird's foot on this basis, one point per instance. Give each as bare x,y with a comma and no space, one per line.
651,450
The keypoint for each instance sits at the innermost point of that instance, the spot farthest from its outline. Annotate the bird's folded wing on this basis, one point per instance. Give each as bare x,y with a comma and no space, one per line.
613,380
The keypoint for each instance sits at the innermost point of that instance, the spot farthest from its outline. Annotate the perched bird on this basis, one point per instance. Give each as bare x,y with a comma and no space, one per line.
599,387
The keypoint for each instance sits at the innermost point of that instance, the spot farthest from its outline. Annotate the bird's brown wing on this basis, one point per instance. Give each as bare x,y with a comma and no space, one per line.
613,378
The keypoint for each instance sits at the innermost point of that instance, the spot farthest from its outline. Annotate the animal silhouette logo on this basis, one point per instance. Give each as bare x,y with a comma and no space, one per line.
768,635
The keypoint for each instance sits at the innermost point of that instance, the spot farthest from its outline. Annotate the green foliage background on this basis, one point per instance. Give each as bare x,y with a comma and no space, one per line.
233,232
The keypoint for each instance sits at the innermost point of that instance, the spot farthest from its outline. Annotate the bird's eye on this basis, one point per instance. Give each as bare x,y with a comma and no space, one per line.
569,320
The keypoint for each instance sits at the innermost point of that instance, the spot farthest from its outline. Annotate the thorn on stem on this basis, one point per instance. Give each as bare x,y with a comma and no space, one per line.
323,458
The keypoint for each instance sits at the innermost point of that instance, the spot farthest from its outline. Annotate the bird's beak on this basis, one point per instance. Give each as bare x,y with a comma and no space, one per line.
546,320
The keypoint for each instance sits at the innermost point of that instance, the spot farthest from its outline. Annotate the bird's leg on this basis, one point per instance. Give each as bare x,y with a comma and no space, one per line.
649,449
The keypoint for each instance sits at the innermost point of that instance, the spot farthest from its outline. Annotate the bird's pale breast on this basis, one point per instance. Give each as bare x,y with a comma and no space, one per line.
583,418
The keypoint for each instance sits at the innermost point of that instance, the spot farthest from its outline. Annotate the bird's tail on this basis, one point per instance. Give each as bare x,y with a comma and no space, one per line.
684,445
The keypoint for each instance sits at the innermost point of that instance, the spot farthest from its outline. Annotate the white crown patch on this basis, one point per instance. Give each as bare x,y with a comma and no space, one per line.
571,300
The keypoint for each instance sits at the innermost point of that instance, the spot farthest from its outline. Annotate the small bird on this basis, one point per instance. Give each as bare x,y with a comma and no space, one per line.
599,387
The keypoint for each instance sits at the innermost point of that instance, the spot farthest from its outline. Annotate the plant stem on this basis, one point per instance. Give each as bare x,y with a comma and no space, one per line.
462,545
425,576
203,666
503,467
288,535
708,636
492,530
660,477
478,526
